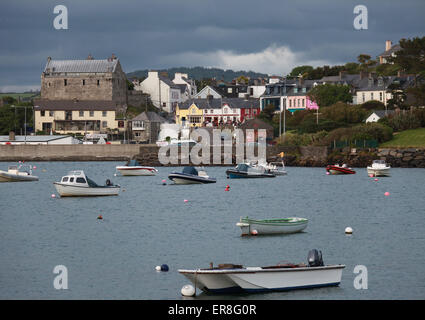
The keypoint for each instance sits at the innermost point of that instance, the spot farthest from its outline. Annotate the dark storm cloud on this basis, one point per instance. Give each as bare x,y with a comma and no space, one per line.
149,33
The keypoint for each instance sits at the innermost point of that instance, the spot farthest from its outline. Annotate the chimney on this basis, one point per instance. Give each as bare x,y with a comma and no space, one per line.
342,74
388,45
11,136
113,57
49,59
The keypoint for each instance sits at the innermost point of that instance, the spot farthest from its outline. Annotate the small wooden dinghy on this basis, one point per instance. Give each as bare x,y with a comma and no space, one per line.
271,226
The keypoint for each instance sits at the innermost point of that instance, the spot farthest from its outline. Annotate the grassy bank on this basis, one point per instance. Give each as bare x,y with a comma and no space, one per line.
414,138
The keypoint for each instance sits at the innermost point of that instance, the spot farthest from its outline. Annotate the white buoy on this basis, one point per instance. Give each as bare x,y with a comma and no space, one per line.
188,291
348,230
158,268
115,174
254,232
53,195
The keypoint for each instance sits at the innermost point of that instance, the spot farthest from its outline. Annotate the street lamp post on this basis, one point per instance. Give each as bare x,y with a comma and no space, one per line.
25,120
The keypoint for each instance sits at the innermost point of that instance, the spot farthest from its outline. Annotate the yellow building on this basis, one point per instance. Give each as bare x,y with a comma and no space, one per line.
79,117
189,114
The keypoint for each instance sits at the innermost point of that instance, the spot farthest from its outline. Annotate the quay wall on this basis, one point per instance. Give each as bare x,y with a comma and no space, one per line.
148,155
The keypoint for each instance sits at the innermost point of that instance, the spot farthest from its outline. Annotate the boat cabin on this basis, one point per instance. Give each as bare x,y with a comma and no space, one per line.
78,178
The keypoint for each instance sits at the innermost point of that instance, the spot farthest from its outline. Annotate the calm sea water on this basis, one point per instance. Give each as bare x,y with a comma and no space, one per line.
149,224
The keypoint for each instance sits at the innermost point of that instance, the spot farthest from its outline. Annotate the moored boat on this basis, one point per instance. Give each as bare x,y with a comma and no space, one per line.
337,169
228,278
76,183
17,173
271,226
190,175
379,168
276,168
133,168
246,170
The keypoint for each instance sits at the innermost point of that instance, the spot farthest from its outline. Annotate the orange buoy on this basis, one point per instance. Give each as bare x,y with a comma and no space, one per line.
99,217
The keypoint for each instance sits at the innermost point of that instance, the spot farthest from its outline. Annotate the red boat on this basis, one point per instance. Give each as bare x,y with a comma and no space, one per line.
337,169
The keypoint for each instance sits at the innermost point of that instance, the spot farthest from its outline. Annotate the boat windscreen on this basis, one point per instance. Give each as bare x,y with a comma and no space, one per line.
91,183
190,170
242,167
133,163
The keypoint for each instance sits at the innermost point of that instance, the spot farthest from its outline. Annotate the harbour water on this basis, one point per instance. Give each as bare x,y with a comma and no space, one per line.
150,224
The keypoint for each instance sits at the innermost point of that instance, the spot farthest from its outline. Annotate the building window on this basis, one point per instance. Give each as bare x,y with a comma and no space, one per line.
290,103
65,82
98,82
380,96
104,113
42,113
91,113
206,111
51,113
229,90
303,101
371,96
139,124
84,82
195,119
363,97
81,113
68,115
104,124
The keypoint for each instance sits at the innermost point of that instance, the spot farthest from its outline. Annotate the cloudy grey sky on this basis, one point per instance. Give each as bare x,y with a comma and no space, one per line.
270,36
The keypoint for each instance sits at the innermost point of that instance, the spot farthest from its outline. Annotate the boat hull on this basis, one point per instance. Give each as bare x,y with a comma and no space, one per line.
257,279
272,226
179,178
136,171
339,170
235,174
75,191
378,172
9,177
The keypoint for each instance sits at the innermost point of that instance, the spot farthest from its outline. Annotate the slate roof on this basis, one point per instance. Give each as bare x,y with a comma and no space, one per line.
389,52
170,83
81,66
149,116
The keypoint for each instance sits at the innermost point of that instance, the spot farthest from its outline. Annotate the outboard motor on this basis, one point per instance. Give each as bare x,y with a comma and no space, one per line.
108,182
315,258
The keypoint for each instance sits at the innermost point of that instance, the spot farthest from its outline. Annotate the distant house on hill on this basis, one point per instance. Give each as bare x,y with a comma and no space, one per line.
376,115
390,51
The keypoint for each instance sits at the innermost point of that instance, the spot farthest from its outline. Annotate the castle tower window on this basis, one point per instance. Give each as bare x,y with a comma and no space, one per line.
98,82
65,82
84,82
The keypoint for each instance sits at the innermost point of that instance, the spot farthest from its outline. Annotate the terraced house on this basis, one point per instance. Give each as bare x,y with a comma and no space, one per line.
81,96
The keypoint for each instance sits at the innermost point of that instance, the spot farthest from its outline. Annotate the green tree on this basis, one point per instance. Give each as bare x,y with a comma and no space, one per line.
328,94
300,71
411,57
365,62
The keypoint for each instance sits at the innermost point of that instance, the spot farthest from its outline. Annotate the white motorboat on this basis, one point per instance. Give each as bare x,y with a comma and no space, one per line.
76,183
229,278
276,168
379,168
133,168
17,173
271,226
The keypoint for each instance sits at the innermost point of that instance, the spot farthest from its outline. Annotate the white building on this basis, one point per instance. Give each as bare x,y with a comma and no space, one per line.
42,139
164,93
190,85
